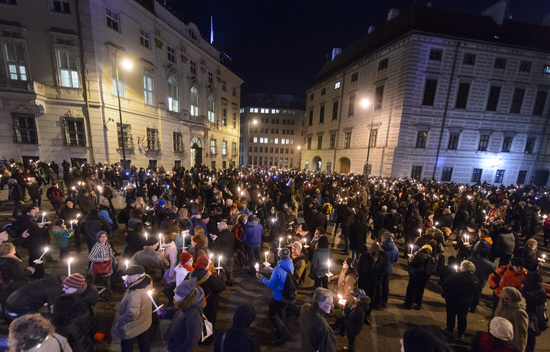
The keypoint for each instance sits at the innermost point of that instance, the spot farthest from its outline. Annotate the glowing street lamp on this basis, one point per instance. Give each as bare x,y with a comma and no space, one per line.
126,65
365,103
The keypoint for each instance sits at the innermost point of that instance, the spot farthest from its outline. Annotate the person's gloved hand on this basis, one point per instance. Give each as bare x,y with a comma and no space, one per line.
259,276
161,312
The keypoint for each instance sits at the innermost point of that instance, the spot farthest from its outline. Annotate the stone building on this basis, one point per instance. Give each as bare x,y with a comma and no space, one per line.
433,94
62,59
271,131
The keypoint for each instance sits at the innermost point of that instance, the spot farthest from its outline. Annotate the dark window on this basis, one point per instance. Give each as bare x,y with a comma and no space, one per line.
319,142
322,114
476,175
540,102
61,6
530,145
152,165
24,126
499,176
416,172
308,143
113,19
500,63
347,140
521,177
525,66
462,96
8,2
153,142
436,54
311,96
335,110
492,102
323,91
351,105
74,132
178,142
354,77
453,140
378,96
507,144
310,119
332,141
124,135
483,142
429,92
382,64
446,174
469,59
421,139
517,100
172,55
373,136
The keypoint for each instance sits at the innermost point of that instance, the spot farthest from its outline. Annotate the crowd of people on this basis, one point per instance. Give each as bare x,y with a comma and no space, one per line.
182,230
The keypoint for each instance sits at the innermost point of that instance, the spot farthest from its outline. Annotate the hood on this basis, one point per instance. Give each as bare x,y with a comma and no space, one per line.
253,223
516,300
389,244
199,298
244,316
287,264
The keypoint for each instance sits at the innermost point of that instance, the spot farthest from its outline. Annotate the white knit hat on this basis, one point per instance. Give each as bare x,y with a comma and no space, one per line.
501,329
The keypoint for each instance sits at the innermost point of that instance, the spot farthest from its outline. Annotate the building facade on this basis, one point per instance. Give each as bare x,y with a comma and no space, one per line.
271,132
95,81
430,95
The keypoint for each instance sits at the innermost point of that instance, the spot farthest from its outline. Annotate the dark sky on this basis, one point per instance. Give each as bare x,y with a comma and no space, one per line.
279,46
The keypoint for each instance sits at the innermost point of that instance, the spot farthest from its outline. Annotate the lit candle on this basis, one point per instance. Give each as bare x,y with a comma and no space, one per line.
467,242
341,300
305,243
411,247
69,261
71,222
257,267
150,293
77,215
145,236
42,256
43,215
328,265
160,240
127,263
219,264
266,256
280,240
420,232
456,267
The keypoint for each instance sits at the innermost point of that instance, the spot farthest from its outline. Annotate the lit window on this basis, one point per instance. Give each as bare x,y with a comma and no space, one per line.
255,139
173,94
213,148
337,85
113,19
276,141
148,90
211,109
224,147
17,65
194,99
68,68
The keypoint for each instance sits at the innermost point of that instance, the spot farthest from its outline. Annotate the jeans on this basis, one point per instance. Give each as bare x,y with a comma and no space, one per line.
321,281
351,342
277,318
253,257
143,343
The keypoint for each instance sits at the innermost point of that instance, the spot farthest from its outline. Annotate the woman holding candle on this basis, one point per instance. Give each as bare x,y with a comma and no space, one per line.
102,253
319,264
347,279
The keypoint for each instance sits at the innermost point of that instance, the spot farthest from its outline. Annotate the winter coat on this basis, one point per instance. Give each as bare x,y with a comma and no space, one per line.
225,243
535,299
355,316
357,235
54,343
485,342
134,314
30,298
346,284
392,255
252,235
211,287
413,224
135,241
319,262
62,237
239,338
531,259
152,261
515,313
504,242
90,227
277,281
459,289
508,277
371,273
484,268
420,263
12,272
185,331
80,327
316,334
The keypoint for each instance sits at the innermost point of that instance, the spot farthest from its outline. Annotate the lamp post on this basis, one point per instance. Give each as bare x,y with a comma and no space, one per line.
127,65
299,157
364,104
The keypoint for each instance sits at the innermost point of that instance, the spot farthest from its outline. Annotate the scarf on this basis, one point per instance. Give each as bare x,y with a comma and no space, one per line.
188,267
187,302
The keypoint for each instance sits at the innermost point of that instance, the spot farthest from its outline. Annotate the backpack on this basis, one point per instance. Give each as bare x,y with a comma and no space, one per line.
431,266
290,287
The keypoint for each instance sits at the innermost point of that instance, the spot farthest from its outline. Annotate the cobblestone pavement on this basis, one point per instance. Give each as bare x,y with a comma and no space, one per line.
387,328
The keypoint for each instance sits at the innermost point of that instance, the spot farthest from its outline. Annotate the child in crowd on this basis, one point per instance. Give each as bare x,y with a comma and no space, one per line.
62,237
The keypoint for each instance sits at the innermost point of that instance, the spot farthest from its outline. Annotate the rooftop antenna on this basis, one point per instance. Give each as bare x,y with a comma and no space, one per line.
211,29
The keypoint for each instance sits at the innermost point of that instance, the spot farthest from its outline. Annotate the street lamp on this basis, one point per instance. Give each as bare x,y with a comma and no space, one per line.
299,157
365,104
127,65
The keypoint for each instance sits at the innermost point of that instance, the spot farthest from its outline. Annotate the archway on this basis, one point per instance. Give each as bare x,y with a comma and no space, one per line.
317,163
196,151
345,165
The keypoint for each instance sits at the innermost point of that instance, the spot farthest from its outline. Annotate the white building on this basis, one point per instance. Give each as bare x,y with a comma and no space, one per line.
58,85
271,131
455,97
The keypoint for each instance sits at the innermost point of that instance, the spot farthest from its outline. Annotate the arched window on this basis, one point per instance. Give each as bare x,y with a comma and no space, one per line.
173,104
211,109
194,98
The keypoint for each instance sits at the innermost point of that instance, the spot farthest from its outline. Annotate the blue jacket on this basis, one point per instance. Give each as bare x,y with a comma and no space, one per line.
392,255
253,233
278,277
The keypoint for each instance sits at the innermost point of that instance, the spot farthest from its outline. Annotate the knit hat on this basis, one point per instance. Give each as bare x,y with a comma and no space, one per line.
154,198
75,281
427,246
134,270
352,263
172,216
97,235
298,245
472,225
359,294
186,287
161,203
205,215
201,263
518,261
151,241
501,329
184,257
284,253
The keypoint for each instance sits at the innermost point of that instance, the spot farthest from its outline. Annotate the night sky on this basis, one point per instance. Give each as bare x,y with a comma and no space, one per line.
279,46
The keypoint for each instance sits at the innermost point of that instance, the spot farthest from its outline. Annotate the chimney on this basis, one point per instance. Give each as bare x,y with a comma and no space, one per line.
371,29
497,12
546,20
335,52
392,13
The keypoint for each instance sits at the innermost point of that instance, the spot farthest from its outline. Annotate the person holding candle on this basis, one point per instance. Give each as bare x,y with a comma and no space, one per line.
152,261
225,246
356,312
535,298
102,254
71,216
421,266
299,262
484,268
170,273
62,237
11,270
55,196
134,315
319,263
531,255
252,239
410,231
184,267
347,281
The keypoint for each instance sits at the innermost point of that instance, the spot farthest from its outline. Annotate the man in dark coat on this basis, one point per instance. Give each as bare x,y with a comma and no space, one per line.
421,266
30,298
484,268
239,338
458,291
316,333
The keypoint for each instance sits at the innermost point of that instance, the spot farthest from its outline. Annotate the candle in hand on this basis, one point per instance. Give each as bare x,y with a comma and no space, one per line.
43,215
127,263
45,250
160,240
257,267
456,267
69,261
280,240
411,247
328,265
150,293
266,255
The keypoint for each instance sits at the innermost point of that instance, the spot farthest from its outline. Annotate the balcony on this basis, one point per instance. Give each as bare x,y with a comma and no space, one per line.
21,86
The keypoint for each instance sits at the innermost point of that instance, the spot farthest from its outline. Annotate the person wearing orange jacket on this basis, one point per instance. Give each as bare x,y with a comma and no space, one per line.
507,276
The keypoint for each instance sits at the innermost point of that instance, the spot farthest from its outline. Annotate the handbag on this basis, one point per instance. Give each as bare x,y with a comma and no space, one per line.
207,328
102,267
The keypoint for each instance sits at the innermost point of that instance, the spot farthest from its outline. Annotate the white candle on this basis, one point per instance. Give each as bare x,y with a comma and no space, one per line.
69,261
160,240
45,250
456,268
77,215
145,236
71,222
150,293
420,232
257,267
219,264
328,265
127,263
43,215
467,242
411,247
280,240
266,255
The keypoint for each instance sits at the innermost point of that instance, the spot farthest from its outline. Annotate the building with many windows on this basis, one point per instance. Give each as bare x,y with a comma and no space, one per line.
271,131
433,94
99,80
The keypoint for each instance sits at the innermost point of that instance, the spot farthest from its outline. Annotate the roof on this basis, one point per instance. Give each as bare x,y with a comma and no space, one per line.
442,23
273,101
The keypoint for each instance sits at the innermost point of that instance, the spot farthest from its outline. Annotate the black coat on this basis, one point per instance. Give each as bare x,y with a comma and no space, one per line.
355,316
371,273
459,289
30,298
357,235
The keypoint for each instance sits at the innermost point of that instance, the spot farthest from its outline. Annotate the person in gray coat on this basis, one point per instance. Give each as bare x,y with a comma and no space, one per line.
319,267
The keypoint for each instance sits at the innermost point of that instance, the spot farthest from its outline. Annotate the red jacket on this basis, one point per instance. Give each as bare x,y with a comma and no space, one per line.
508,278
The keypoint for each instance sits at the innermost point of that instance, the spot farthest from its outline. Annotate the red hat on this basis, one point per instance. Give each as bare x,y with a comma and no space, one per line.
75,281
201,263
184,257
